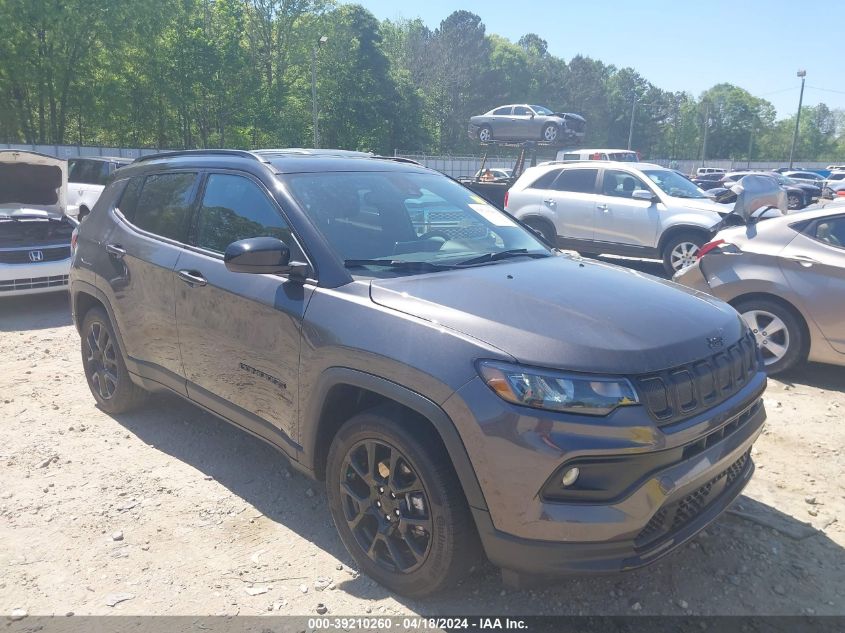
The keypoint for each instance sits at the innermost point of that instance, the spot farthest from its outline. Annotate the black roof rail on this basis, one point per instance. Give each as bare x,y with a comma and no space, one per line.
399,159
199,152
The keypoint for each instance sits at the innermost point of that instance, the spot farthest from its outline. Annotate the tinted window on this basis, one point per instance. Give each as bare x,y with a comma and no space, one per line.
577,180
545,181
830,231
521,111
88,172
502,111
164,204
620,184
235,208
129,197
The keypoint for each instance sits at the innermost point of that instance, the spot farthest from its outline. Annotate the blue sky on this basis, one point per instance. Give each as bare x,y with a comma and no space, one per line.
677,45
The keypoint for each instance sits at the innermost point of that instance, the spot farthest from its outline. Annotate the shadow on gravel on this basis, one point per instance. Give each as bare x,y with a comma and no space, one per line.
34,312
753,560
829,377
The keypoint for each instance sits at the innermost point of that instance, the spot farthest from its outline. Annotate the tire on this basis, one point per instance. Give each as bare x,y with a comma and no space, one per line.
485,134
83,211
551,132
794,202
446,542
786,345
104,366
680,251
544,228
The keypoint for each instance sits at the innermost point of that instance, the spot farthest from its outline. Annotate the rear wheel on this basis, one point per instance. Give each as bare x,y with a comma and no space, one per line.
680,251
397,504
550,133
485,134
794,202
544,228
104,366
777,330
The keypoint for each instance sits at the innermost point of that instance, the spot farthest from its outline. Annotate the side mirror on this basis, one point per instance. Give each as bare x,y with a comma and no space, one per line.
258,255
642,194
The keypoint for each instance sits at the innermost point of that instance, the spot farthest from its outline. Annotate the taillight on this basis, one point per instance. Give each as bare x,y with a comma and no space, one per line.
710,246
73,237
507,194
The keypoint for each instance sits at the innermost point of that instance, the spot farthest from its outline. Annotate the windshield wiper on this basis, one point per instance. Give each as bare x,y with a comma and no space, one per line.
396,264
499,255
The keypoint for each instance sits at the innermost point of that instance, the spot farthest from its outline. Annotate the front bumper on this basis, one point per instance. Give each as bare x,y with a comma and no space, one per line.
33,278
526,531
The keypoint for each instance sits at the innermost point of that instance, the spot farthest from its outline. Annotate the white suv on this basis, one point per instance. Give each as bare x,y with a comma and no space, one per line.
629,209
87,177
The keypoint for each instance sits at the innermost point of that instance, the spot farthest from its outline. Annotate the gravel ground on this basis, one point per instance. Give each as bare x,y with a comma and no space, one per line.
171,511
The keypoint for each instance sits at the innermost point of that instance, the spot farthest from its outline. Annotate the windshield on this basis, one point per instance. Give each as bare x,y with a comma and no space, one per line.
541,110
673,184
406,217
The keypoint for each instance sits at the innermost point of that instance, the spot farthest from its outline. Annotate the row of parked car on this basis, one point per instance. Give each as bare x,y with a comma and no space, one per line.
803,187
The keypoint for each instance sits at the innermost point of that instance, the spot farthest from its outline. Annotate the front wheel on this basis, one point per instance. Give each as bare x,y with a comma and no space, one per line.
681,251
397,504
778,332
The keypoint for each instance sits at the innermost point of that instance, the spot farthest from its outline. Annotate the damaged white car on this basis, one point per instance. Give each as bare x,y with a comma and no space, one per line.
35,229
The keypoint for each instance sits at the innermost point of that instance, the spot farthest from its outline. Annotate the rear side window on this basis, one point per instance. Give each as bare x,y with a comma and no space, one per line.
545,181
234,208
164,204
830,231
576,180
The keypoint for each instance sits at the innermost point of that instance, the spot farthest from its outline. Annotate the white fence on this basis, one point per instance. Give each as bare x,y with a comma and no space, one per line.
455,166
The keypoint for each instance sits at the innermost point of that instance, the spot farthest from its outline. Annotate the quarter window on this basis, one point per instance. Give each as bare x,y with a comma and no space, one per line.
545,181
576,181
164,204
235,208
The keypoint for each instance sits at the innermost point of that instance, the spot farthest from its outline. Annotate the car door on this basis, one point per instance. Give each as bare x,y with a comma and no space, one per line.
814,265
141,250
521,124
239,333
572,200
500,121
619,219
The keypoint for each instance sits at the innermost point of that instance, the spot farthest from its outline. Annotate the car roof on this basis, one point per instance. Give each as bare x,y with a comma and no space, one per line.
624,164
280,161
110,159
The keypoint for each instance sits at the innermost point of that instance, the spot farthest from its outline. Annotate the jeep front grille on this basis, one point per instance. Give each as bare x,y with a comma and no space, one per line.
682,392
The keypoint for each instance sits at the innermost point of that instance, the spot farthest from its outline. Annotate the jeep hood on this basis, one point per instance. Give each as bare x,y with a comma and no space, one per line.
31,181
569,313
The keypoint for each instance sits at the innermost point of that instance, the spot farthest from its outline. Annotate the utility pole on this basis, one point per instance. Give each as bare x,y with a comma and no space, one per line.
706,126
631,128
803,75
323,39
750,143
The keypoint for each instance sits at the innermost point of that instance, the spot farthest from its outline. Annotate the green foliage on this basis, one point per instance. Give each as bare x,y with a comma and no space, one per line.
238,73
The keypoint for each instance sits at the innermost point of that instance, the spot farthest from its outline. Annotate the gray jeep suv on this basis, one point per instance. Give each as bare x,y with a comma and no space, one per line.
460,393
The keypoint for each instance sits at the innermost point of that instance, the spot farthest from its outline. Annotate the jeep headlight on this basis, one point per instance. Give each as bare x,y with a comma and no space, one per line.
557,391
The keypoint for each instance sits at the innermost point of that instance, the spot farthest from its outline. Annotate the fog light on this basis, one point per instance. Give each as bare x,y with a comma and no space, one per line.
569,477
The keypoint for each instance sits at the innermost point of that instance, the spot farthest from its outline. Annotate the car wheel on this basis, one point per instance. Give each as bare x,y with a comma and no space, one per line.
681,251
550,133
83,211
104,366
485,134
544,228
398,506
794,202
778,331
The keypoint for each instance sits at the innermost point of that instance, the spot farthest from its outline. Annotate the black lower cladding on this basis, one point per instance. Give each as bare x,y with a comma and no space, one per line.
681,392
676,515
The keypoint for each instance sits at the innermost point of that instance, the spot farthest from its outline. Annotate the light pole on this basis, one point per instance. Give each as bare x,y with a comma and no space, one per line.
323,39
631,127
803,75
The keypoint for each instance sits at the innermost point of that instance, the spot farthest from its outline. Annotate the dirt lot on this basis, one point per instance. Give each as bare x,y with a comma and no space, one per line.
171,511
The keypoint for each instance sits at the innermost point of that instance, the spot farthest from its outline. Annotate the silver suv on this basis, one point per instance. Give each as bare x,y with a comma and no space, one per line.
629,209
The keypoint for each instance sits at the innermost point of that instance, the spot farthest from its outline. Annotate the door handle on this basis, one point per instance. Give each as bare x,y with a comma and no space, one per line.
804,260
550,202
115,250
191,277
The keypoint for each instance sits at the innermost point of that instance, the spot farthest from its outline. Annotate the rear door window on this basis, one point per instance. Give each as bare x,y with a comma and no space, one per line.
576,180
502,111
235,208
164,204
